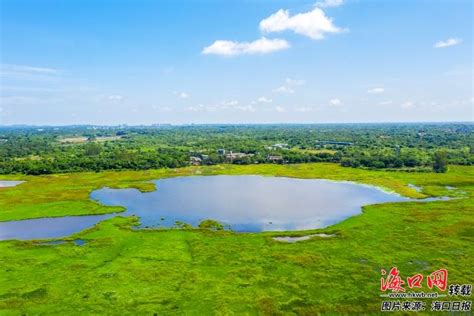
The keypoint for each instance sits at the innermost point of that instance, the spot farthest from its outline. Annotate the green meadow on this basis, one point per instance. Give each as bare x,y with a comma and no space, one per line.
121,270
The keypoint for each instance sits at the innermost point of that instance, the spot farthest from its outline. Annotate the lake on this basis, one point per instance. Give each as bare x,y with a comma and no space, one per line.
246,203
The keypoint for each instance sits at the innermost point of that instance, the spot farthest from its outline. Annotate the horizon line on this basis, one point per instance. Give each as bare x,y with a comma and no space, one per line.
232,124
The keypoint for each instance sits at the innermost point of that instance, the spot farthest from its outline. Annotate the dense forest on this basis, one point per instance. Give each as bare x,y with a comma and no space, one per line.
410,147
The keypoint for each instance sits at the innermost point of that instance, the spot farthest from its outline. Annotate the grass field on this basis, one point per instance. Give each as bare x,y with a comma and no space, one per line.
196,272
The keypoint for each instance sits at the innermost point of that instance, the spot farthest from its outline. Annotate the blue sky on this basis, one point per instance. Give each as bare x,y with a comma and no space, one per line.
254,61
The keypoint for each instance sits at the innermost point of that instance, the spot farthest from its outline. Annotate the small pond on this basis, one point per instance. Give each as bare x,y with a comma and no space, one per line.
289,239
246,203
47,228
8,183
77,242
416,188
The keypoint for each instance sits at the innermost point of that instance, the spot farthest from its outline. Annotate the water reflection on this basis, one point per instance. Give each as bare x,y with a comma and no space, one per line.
8,183
246,203
47,228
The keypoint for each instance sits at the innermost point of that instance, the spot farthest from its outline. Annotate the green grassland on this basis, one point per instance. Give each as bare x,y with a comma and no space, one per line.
194,272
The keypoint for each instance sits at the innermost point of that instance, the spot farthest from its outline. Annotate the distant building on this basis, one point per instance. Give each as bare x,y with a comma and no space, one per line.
195,161
278,146
232,155
221,152
274,158
421,134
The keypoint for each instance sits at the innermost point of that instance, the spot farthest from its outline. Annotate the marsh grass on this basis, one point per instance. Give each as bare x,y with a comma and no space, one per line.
121,270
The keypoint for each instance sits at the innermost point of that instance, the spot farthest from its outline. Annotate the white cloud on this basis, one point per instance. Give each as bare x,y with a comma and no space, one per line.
447,43
294,82
335,102
260,46
183,95
32,73
20,100
196,108
115,97
162,108
22,69
245,108
280,109
407,105
264,100
376,91
284,89
304,109
230,103
29,89
314,24
289,85
329,3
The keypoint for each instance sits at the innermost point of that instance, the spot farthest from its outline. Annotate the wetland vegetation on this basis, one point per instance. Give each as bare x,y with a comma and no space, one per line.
297,158
195,270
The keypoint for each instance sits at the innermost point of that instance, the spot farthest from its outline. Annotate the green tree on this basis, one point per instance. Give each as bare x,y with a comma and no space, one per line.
440,164
92,149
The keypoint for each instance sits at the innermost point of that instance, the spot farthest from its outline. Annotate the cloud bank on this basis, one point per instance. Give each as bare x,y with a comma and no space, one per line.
313,24
447,43
376,91
231,48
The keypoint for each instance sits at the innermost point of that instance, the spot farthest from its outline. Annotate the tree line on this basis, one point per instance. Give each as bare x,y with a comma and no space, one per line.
31,150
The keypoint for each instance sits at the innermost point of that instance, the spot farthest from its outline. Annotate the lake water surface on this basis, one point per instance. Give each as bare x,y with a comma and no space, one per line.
246,203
